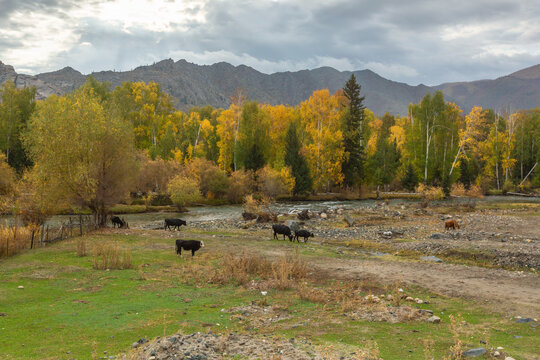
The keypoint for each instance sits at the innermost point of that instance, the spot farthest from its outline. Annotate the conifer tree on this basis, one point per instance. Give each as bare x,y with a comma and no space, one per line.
297,162
353,167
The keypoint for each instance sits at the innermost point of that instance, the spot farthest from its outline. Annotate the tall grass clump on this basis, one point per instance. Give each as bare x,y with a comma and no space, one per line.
110,256
81,247
244,267
13,239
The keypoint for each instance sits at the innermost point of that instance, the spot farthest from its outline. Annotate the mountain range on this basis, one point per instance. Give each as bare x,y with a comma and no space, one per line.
198,85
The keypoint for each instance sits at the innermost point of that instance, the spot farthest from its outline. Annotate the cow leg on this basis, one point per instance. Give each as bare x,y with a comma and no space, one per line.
192,253
275,236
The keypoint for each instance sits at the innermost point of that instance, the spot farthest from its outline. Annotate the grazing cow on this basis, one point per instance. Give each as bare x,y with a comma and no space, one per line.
302,234
175,223
192,245
117,221
451,224
283,230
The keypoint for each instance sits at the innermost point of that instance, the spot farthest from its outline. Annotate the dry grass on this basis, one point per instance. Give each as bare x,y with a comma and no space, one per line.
14,239
110,256
459,189
81,247
242,268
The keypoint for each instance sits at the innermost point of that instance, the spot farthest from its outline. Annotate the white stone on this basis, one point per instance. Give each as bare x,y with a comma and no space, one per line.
509,358
496,353
20,287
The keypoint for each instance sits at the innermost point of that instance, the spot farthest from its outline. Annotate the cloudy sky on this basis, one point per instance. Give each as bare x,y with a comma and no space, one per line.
414,41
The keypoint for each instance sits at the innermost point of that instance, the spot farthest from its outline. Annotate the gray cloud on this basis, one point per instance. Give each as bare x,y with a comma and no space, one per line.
417,41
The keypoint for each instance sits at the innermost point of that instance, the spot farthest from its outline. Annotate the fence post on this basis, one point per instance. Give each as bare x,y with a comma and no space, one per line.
32,241
47,235
70,227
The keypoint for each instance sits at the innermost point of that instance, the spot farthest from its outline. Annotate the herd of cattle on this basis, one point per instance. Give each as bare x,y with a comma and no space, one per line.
278,229
194,245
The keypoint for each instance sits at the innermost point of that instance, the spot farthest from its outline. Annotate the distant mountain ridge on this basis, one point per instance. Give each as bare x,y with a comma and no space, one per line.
199,85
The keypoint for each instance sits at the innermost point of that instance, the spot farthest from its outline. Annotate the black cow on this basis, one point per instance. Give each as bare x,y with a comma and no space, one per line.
302,234
192,245
283,230
175,223
117,221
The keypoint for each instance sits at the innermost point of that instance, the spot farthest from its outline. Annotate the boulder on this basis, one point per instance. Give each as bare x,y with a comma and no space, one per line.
434,319
348,220
303,215
474,352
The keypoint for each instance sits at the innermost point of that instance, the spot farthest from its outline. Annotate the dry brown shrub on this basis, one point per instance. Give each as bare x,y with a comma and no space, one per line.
456,329
458,189
242,184
110,256
244,267
14,239
81,247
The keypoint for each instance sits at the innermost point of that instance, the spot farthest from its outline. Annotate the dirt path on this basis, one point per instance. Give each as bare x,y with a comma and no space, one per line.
510,292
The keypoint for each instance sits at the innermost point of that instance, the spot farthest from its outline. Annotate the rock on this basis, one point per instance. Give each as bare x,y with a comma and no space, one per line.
135,345
496,353
436,236
249,216
434,319
408,298
20,287
348,220
426,311
419,301
294,225
474,352
303,215
524,320
3,314
431,258
323,215
509,358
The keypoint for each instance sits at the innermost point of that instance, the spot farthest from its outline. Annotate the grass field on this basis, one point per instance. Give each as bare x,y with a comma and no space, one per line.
68,310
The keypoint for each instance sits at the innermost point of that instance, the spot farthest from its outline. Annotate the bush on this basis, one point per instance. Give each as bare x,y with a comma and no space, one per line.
508,187
213,182
184,191
241,184
81,247
459,189
272,183
154,175
110,256
430,192
160,200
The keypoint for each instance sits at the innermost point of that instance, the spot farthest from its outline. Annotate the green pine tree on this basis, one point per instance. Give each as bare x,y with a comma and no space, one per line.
297,162
410,179
353,167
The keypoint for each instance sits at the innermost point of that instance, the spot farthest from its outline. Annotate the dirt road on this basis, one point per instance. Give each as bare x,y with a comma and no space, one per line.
510,292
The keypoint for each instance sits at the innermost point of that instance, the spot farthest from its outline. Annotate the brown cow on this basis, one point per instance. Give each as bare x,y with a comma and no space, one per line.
451,224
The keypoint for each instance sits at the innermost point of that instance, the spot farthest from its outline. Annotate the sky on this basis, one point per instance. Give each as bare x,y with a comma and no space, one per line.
412,41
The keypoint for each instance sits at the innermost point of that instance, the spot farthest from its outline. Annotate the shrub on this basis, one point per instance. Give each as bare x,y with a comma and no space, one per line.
110,256
430,192
81,247
241,184
184,191
459,189
508,187
160,200
213,182
13,239
154,175
272,183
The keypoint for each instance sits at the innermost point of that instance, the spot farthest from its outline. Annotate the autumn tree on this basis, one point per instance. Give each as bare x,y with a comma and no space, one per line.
323,147
353,165
252,144
297,162
16,107
83,153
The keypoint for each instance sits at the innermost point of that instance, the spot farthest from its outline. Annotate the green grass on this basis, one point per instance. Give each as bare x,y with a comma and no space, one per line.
66,307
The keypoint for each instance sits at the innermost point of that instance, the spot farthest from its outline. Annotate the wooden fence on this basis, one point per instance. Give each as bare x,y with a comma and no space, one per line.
16,238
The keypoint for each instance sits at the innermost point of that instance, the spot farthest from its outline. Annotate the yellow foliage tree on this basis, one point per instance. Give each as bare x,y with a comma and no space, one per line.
324,150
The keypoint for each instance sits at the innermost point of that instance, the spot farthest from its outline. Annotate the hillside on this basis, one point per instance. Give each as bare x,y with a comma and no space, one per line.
198,85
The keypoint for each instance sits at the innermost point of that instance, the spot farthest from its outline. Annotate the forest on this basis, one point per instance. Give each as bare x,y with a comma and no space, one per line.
98,147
